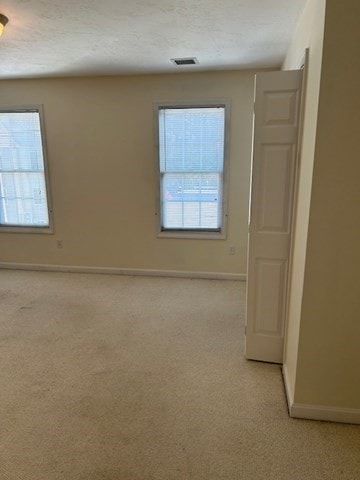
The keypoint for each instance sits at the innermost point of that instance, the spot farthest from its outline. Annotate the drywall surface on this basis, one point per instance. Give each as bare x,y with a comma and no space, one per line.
329,353
309,34
100,143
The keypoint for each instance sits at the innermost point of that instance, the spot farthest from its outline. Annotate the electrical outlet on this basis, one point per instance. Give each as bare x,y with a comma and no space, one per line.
59,243
232,250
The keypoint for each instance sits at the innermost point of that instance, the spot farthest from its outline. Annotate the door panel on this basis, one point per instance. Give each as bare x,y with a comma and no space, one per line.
276,122
276,173
269,296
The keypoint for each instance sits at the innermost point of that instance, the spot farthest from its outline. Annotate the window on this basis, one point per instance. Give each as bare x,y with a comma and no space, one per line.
23,192
191,167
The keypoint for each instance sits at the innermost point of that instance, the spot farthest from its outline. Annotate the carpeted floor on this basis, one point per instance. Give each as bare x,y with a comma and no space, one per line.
130,378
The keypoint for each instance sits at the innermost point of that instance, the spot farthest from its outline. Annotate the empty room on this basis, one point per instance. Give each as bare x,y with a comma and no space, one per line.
179,240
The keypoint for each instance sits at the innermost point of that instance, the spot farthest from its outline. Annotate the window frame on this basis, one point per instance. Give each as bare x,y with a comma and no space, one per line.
37,108
194,233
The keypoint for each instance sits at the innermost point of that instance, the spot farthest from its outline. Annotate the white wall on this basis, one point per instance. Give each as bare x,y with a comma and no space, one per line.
322,350
329,346
100,137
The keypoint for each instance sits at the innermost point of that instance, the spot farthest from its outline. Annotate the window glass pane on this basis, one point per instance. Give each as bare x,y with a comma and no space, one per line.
192,139
173,215
23,199
209,214
191,165
199,198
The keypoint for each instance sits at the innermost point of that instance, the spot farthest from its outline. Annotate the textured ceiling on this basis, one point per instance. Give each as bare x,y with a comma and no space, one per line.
81,37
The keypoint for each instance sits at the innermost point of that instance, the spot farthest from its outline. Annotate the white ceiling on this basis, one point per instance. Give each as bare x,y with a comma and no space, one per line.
81,37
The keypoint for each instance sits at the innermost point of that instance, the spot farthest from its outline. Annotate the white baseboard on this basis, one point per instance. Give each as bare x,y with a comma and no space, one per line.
323,412
123,271
318,412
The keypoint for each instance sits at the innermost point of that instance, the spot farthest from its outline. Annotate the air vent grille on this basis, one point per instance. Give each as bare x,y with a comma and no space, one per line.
185,61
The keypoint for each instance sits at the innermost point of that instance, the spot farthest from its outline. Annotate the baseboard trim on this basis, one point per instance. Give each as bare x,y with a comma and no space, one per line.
122,271
317,412
323,412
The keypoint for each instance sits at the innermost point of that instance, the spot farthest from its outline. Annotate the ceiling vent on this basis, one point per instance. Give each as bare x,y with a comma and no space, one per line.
184,61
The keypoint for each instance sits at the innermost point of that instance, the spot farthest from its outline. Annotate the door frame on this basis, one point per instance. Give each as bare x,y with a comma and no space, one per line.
304,66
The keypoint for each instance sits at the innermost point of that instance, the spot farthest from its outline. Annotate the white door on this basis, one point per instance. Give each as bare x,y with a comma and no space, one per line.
276,126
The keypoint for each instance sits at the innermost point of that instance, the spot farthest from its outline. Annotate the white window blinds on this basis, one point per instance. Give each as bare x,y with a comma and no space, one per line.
23,200
191,143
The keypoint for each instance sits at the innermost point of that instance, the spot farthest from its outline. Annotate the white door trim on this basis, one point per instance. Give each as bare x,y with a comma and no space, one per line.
304,66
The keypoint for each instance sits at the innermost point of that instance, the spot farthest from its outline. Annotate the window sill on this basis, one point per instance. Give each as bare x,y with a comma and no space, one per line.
13,229
192,235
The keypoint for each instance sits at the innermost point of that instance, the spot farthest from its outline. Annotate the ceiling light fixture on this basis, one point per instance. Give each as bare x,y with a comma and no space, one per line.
3,21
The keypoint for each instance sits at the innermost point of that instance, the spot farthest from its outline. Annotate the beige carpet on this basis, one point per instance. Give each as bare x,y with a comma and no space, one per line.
130,378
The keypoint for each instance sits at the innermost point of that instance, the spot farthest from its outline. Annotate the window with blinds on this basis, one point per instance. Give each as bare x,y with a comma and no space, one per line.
191,156
23,193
